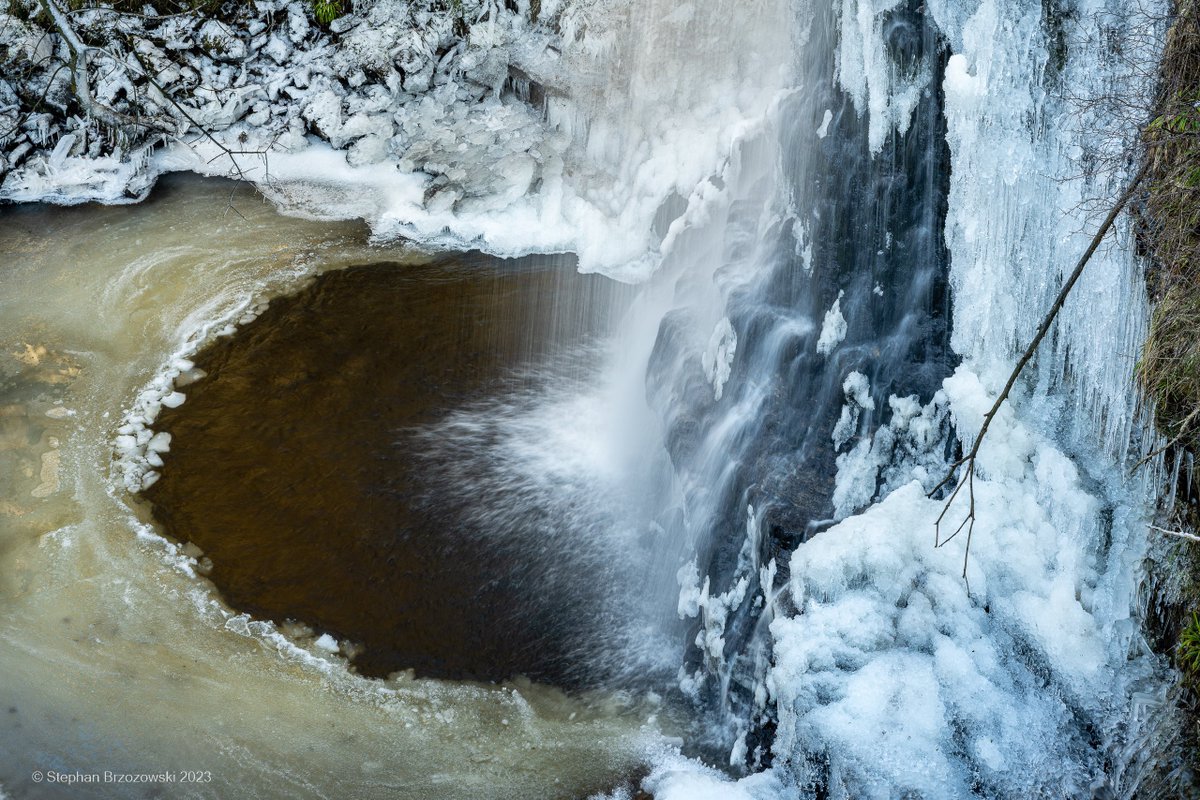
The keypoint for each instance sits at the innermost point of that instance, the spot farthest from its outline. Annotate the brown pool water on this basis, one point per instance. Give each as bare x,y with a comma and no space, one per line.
304,464
114,655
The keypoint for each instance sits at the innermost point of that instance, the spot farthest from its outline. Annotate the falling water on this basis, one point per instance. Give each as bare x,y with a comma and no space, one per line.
928,169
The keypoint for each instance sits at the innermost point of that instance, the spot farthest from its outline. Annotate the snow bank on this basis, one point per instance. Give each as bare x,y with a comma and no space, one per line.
465,124
895,675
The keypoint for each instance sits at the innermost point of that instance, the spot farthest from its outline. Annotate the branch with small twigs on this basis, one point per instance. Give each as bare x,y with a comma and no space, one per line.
968,460
229,152
1185,429
79,69
79,65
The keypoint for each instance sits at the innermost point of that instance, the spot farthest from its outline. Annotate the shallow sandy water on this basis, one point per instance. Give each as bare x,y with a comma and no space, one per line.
113,656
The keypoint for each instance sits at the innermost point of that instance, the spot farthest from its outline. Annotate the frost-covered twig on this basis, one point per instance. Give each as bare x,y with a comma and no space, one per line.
21,120
1047,321
1181,534
147,73
79,69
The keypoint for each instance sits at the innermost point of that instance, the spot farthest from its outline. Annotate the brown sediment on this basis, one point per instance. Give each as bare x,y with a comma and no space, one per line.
296,467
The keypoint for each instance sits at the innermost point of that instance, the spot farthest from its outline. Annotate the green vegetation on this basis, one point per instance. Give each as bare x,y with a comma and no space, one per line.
1187,652
323,11
326,11
1169,374
1169,369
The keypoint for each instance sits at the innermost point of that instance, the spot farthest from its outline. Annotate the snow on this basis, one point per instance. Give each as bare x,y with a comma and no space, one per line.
892,673
895,664
717,360
400,118
833,328
677,778
220,41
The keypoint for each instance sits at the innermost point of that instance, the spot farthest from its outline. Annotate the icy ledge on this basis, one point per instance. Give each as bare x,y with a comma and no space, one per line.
894,676
482,132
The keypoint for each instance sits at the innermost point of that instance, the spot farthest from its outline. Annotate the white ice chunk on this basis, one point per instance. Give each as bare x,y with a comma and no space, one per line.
823,131
717,359
159,443
833,329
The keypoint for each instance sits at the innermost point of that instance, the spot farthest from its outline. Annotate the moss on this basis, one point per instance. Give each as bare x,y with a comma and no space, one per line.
1169,369
1187,652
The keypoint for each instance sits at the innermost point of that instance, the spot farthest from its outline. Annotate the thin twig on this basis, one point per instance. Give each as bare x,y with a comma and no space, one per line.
1184,430
230,153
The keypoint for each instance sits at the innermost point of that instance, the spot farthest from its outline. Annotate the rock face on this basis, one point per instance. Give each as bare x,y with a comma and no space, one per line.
425,85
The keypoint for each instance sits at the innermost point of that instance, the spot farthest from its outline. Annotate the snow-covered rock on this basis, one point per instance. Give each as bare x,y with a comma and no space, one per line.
221,42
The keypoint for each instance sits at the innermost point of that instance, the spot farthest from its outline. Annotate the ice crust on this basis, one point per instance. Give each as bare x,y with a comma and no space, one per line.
505,136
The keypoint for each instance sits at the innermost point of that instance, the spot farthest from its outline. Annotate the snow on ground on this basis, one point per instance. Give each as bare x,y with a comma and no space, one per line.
465,124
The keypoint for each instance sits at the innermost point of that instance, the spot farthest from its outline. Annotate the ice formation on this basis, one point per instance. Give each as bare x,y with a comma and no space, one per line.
718,358
473,124
892,674
833,328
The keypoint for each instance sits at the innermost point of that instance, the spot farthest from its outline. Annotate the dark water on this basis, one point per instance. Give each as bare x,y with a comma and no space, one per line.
309,467
874,227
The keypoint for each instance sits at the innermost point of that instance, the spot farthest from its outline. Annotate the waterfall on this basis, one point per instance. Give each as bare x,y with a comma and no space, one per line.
846,220
840,267
875,255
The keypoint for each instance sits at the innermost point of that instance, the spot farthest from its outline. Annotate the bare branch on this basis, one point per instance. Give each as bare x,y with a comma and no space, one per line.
79,70
1047,322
